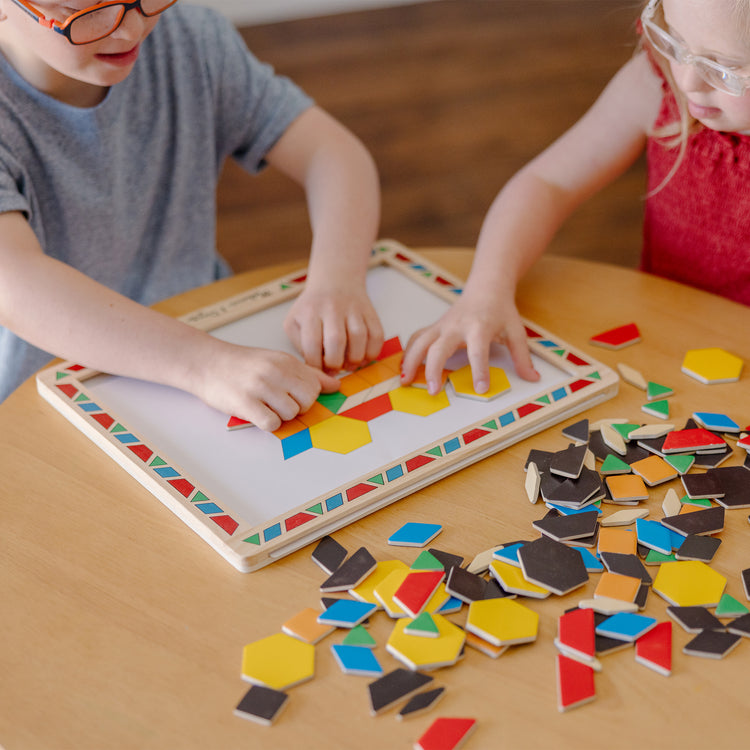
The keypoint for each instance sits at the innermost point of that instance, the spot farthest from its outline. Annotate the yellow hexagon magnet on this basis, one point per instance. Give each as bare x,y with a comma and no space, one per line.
463,383
417,652
502,622
689,583
340,434
278,661
712,365
418,401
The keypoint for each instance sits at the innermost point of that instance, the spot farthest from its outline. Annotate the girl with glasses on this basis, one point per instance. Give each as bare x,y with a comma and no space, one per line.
684,98
115,120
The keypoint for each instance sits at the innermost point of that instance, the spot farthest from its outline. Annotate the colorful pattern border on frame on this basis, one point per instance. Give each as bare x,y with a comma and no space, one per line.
67,381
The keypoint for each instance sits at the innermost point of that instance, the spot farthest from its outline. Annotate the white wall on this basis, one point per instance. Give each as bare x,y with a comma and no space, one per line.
248,12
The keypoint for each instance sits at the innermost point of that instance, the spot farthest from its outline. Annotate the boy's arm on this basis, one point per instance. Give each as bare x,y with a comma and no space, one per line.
525,216
333,321
59,309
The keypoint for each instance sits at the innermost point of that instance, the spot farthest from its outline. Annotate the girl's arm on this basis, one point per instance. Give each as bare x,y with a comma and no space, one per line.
60,310
523,219
333,322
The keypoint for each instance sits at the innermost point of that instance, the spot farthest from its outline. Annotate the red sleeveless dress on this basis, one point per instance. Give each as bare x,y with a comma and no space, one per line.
697,227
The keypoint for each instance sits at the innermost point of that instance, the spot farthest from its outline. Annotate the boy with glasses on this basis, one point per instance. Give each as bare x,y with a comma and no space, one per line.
684,98
114,123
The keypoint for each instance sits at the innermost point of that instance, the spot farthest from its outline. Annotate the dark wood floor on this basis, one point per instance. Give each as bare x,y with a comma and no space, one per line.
451,97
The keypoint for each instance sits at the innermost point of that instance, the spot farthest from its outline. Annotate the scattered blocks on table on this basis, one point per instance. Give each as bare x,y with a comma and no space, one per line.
278,661
659,409
613,439
716,422
712,365
568,527
415,534
626,565
617,338
625,488
445,734
423,625
417,589
358,636
728,606
696,547
654,649
632,376
740,626
617,539
656,391
690,440
532,482
654,470
425,560
624,517
689,583
578,431
612,465
468,587
512,580
654,535
606,605
569,462
356,660
262,705
617,586
700,521
365,591
575,634
575,683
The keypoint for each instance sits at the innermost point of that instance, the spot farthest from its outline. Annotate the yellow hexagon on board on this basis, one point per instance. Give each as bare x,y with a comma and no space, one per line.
418,401
689,583
502,622
463,383
418,652
340,434
712,365
278,661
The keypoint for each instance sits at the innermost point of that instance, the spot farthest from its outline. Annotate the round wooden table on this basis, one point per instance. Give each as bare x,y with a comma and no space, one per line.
112,640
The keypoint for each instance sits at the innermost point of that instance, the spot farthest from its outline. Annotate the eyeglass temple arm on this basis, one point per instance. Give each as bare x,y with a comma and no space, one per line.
43,20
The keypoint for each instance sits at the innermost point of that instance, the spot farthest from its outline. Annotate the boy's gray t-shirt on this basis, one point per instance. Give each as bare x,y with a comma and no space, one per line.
126,191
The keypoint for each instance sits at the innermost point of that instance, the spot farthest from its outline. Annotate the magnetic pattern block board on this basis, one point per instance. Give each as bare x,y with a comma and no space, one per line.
253,500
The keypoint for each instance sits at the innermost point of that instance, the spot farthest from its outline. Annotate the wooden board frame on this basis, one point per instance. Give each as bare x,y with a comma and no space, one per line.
249,547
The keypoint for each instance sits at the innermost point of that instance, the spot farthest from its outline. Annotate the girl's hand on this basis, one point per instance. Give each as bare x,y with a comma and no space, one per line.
474,326
262,386
334,328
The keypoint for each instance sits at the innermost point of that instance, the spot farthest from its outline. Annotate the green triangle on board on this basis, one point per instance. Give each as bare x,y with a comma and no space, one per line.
436,451
254,539
378,479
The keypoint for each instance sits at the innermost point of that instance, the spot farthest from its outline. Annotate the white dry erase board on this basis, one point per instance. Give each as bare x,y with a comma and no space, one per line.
255,496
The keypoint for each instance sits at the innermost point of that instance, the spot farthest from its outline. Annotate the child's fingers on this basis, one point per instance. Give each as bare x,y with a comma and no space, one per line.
328,383
519,352
356,333
478,353
263,417
311,341
437,355
334,343
375,336
416,349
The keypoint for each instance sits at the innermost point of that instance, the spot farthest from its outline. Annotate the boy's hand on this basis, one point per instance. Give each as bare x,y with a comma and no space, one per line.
262,386
333,328
474,326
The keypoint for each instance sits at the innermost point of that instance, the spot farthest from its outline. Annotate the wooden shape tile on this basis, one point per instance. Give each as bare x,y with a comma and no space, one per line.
626,487
568,527
613,439
578,431
616,586
552,565
329,554
690,440
697,547
712,644
423,625
654,470
606,605
614,539
356,660
707,521
569,462
670,504
656,391
365,591
278,661
262,705
575,683
421,703
689,583
712,365
740,626
305,626
613,465
446,733
447,558
417,652
632,376
462,382
626,626
415,534
532,482
654,649
358,636
575,633
625,517
346,613
745,576
483,646
351,572
468,587
481,562
728,606
425,560
626,565
417,589
617,338
503,622
659,409
654,535
394,687
716,422
702,486
512,579
735,484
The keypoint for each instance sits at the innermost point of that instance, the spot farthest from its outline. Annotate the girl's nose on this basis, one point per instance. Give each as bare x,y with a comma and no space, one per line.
688,78
131,27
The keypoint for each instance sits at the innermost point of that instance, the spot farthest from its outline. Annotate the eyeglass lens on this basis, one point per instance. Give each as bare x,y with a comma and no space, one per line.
100,22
